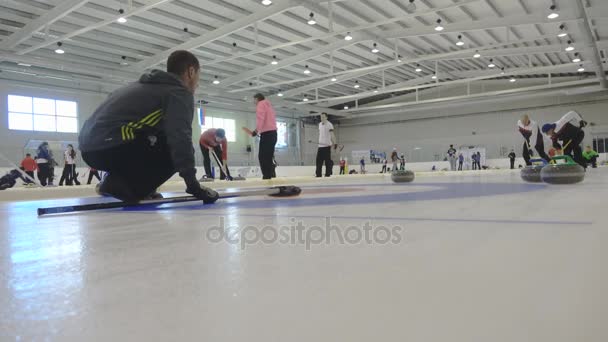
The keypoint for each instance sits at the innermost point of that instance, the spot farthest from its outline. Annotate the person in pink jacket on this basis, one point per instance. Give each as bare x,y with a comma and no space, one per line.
266,127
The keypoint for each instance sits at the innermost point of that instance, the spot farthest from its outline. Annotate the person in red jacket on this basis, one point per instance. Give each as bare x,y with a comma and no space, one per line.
215,140
29,165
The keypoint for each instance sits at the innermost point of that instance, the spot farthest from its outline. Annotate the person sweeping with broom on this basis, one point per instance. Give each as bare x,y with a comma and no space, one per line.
213,142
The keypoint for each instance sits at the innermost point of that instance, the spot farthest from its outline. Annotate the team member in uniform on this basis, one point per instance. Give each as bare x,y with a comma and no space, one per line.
590,156
327,139
532,139
147,126
266,127
214,140
29,165
568,130
452,157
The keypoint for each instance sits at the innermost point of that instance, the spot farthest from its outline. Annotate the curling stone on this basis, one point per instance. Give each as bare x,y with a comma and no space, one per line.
565,173
531,173
402,176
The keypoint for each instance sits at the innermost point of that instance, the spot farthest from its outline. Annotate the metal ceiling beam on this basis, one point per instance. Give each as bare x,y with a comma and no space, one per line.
491,96
39,23
359,72
585,27
218,33
91,27
453,28
523,71
341,32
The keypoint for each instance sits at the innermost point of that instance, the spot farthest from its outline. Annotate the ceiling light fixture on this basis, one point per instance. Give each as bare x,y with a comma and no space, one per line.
576,58
512,80
274,60
356,84
459,42
411,6
59,50
562,33
216,80
477,54
348,36
121,20
280,94
491,65
306,70
311,20
418,68
553,12
434,77
345,107
333,79
570,47
375,48
266,2
305,99
581,69
124,60
24,64
439,28
502,71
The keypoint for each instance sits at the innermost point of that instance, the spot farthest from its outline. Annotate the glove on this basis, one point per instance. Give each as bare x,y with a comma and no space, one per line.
583,123
254,133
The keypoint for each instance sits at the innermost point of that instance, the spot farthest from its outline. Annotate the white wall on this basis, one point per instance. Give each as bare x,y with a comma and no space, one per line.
492,125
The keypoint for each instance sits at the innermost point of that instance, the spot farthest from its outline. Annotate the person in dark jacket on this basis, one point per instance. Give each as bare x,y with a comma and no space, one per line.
46,164
568,130
460,161
147,126
512,159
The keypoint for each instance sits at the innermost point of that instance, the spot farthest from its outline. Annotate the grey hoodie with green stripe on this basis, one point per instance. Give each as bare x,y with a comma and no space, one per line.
158,104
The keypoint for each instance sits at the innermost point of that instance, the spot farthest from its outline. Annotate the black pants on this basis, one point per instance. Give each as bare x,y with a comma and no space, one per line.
69,175
44,174
207,161
268,140
574,149
512,163
324,157
342,169
26,180
592,161
460,166
539,147
141,166
93,174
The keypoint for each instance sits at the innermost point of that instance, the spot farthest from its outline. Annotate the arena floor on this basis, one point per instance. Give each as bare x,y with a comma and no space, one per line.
450,257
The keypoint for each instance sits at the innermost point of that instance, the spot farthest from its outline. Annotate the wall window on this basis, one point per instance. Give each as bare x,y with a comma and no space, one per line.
281,134
229,125
44,115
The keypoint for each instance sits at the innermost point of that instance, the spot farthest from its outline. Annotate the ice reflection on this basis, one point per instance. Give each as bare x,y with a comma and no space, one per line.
44,273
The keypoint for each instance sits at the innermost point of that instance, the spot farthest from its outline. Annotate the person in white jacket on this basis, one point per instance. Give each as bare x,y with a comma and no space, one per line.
69,169
533,139
567,135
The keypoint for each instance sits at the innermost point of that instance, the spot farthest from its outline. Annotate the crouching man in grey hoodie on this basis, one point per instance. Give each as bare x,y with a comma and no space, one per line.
142,133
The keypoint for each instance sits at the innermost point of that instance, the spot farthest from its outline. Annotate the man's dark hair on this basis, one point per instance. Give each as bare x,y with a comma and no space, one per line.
324,113
259,97
220,133
179,62
28,155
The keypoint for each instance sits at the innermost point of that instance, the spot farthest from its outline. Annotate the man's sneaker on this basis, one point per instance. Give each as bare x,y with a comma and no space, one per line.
114,186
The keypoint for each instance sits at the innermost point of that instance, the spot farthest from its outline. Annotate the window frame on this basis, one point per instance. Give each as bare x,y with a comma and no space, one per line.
41,113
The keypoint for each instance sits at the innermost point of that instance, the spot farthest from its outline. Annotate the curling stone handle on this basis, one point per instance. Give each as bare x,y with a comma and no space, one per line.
567,158
539,160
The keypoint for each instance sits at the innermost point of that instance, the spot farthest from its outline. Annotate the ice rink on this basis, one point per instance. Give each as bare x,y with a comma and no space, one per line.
449,257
